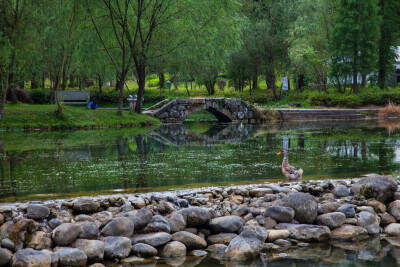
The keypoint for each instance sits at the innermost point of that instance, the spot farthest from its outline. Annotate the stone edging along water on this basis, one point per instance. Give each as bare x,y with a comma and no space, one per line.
235,223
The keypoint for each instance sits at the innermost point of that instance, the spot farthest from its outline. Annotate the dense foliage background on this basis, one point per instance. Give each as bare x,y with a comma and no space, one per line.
335,52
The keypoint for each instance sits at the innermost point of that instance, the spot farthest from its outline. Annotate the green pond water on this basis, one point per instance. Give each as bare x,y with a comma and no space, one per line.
45,165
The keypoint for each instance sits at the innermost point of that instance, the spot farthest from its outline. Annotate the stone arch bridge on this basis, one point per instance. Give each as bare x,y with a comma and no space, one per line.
224,109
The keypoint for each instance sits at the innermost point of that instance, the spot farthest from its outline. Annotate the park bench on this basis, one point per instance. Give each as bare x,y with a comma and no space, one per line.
74,97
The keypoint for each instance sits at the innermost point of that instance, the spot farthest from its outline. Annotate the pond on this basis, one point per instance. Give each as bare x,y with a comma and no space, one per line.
46,165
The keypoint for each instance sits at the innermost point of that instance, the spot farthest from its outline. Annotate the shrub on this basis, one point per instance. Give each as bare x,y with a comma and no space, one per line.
21,95
40,97
259,97
221,84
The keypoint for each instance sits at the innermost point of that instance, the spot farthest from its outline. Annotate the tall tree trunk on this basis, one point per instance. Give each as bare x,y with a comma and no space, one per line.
64,81
355,69
71,80
120,86
255,77
100,85
4,97
187,89
300,82
43,80
141,71
161,78
11,85
270,81
364,80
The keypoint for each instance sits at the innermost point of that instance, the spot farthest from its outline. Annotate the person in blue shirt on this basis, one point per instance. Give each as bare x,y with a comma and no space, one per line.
93,105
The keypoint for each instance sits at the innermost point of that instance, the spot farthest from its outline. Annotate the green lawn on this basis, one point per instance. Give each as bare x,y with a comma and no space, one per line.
25,116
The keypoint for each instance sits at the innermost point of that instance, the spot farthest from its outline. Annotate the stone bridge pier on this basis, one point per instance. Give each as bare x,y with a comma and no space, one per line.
224,109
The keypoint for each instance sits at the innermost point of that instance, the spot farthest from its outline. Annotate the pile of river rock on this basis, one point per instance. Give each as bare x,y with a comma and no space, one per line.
234,223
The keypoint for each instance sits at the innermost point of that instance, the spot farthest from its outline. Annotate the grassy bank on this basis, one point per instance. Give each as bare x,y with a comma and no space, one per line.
23,116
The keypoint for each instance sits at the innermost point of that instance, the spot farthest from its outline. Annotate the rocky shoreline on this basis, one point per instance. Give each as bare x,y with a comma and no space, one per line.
229,224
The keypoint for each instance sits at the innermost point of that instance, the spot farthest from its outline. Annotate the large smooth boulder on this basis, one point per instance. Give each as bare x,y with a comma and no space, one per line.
332,219
117,247
394,209
94,249
5,256
195,216
140,217
153,239
226,224
392,229
191,241
380,187
66,233
223,238
31,258
304,205
277,234
368,221
85,205
306,232
349,233
143,250
103,217
41,240
176,222
244,247
72,257
89,230
120,226
36,211
157,224
174,249
280,214
341,191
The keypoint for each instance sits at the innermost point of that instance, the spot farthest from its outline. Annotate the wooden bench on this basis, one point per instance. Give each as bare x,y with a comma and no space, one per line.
73,97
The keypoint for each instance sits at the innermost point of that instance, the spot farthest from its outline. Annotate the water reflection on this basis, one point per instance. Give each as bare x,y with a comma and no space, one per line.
58,164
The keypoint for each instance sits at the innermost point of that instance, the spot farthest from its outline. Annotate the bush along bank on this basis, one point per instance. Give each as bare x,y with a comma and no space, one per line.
236,223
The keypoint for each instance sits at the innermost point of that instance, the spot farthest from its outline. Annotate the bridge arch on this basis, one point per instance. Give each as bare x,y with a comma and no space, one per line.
224,109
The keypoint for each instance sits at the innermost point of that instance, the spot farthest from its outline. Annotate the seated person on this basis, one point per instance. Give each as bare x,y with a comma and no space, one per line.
93,105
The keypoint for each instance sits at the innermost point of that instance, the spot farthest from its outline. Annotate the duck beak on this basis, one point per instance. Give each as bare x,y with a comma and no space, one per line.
280,152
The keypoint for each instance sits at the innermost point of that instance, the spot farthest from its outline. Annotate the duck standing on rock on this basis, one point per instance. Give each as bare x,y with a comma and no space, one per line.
289,171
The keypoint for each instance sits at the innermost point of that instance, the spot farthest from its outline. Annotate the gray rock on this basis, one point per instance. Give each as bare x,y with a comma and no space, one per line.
280,214
241,211
328,207
260,192
84,218
143,250
117,247
66,233
386,219
72,257
176,222
223,238
85,205
41,240
349,233
380,187
341,191
120,226
365,208
174,249
226,224
157,224
277,234
7,243
306,232
304,205
31,258
392,229
278,189
36,211
260,232
217,249
191,241
94,249
5,257
199,253
89,230
153,239
195,216
394,209
127,207
348,210
244,247
55,259
332,219
53,223
369,221
103,217
140,217
283,243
